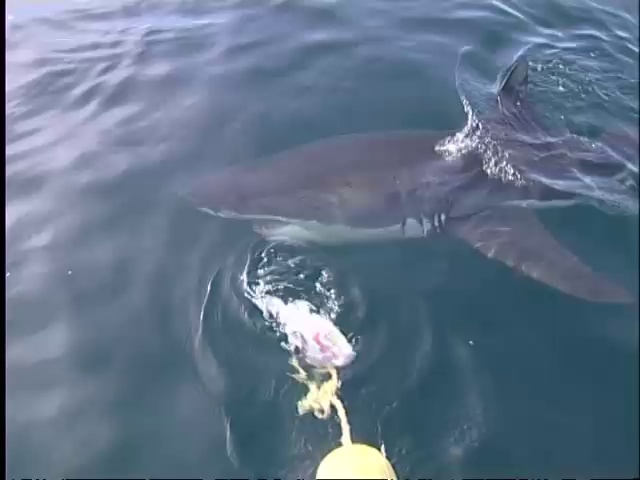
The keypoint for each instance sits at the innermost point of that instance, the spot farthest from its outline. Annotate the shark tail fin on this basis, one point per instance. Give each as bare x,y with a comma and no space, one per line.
516,238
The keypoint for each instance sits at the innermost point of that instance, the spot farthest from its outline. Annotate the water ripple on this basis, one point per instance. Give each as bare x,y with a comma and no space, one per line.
113,342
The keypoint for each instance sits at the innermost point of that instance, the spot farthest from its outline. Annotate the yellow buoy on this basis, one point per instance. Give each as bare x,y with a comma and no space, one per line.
355,460
350,460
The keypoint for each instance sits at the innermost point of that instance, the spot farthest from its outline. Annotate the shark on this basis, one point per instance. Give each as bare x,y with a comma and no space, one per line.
417,184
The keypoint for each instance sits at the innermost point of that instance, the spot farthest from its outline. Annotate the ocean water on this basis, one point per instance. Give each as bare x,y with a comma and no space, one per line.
132,345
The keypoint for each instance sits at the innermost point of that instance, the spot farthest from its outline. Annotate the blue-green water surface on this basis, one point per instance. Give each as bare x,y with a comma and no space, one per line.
132,349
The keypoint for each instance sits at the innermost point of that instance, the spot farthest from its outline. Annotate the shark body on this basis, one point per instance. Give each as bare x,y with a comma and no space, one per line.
404,184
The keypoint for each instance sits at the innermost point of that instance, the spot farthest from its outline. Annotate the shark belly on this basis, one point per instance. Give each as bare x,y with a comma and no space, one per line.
301,232
296,231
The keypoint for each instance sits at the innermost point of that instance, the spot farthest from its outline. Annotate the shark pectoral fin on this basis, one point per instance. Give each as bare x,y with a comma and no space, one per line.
518,239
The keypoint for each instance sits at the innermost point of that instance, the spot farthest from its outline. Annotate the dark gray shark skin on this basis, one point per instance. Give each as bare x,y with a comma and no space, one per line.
401,184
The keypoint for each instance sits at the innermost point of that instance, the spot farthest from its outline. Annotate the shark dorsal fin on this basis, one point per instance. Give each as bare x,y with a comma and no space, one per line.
513,86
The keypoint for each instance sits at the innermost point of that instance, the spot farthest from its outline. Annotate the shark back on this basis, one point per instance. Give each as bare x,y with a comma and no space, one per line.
352,180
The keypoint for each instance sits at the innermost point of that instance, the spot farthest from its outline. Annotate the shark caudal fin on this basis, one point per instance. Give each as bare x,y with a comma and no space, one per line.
516,238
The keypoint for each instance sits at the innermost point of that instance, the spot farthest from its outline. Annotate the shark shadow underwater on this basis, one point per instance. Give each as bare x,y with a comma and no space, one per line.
404,184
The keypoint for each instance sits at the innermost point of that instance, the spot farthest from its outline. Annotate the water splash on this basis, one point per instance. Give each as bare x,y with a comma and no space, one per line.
298,299
475,136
